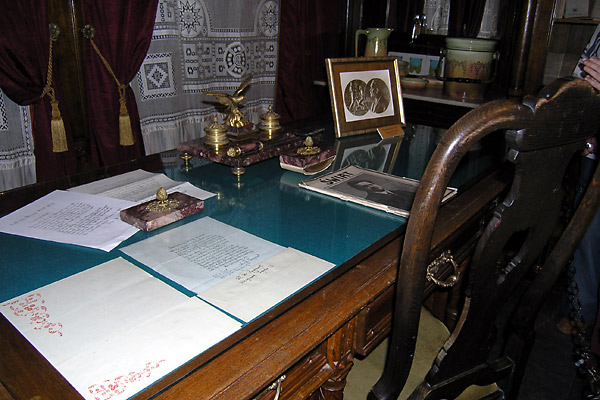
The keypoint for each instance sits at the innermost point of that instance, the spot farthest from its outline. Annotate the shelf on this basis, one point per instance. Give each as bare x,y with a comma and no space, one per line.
430,106
434,93
578,21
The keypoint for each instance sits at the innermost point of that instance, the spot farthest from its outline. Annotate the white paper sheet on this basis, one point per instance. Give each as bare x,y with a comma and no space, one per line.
255,290
114,329
108,184
202,253
70,217
139,186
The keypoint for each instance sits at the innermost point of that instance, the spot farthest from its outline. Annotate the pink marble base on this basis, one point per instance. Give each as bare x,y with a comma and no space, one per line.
253,150
293,158
140,217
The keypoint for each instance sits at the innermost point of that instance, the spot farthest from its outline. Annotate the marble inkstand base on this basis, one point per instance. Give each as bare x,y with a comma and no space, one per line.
166,209
241,153
242,147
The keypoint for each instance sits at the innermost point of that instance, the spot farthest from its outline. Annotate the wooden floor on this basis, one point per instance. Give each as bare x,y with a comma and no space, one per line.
550,374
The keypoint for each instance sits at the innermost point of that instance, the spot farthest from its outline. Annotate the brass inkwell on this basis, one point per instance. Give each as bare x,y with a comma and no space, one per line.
269,126
216,135
236,142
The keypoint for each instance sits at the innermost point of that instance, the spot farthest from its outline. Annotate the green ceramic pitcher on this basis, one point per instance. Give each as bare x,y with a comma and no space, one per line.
376,41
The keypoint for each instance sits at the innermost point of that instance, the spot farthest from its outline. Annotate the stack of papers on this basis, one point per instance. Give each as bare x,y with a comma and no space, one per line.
88,215
74,218
139,186
240,273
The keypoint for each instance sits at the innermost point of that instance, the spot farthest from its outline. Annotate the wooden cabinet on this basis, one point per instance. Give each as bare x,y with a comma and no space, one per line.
523,45
524,31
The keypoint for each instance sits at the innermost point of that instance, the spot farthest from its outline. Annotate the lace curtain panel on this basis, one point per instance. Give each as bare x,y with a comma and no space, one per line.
201,45
438,13
17,162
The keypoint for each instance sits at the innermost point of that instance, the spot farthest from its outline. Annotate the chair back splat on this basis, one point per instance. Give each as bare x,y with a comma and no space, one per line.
543,135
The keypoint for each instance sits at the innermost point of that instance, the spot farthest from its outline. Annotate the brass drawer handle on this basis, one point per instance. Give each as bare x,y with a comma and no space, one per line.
273,386
434,267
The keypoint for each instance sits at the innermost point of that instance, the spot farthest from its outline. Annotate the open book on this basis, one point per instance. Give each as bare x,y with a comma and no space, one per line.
370,188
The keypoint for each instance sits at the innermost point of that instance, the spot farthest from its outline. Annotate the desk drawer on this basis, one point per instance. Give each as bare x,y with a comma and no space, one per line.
374,321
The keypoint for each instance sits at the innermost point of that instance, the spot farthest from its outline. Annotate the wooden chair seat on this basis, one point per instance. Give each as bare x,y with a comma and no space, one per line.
432,336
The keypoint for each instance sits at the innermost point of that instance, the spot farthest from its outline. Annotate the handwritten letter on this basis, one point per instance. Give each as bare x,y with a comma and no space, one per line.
114,329
202,253
257,289
69,217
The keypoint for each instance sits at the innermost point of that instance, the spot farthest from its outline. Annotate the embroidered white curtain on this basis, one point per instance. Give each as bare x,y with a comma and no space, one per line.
489,24
438,11
201,45
17,162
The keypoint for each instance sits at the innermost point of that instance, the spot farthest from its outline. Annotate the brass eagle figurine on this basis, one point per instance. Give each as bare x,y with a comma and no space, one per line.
235,118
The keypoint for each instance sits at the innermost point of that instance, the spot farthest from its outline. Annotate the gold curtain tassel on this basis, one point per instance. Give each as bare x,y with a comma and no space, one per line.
125,132
57,127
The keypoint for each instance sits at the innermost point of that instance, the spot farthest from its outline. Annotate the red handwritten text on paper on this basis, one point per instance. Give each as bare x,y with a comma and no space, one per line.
109,388
32,307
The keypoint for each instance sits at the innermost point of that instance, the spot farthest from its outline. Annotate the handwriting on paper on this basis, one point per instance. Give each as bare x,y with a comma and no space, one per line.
70,217
253,291
69,221
32,307
109,388
215,255
202,253
252,274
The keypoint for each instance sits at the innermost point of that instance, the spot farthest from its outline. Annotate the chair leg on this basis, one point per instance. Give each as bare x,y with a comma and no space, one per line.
482,376
497,395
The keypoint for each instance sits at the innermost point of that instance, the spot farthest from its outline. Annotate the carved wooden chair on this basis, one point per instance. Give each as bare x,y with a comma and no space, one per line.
543,133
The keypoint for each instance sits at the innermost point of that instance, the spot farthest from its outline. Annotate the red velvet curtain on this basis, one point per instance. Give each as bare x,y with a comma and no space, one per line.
309,32
405,15
24,48
123,35
465,17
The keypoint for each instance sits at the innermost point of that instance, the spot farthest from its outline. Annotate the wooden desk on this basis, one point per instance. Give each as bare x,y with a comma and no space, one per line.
311,338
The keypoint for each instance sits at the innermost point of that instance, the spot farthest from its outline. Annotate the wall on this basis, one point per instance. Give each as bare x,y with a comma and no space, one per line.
567,41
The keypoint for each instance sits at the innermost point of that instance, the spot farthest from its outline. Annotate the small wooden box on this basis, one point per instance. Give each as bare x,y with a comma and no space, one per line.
141,217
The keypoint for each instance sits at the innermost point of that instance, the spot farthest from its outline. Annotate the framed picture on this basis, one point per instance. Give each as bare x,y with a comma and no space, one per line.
365,94
367,151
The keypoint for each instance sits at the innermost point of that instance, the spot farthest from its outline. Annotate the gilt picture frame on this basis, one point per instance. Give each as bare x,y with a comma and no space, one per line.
365,94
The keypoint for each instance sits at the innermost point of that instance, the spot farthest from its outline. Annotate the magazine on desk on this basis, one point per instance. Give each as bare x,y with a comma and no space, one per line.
370,188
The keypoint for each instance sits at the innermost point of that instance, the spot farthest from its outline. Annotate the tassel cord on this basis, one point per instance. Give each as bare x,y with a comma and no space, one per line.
125,131
57,125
